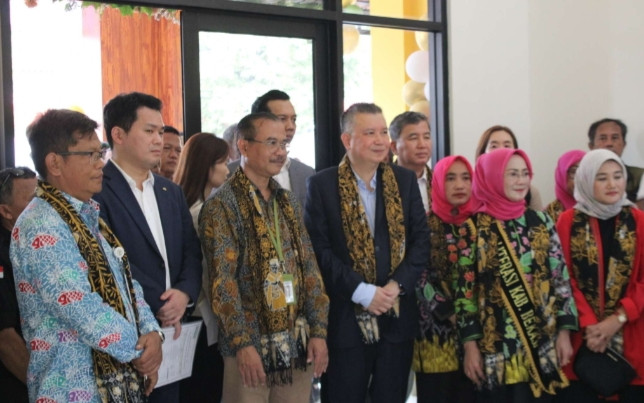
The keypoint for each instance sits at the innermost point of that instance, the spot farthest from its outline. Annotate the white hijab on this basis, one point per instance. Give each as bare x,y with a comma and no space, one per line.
585,183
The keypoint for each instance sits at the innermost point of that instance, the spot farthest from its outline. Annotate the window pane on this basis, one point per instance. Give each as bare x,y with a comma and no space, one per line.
313,4
387,66
56,59
409,9
235,69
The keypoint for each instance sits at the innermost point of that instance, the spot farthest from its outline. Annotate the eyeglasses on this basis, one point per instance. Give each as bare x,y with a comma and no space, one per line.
94,156
16,173
273,144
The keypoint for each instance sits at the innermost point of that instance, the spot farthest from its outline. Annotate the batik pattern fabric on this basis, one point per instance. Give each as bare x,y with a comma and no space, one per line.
235,268
537,247
603,292
444,289
554,210
63,320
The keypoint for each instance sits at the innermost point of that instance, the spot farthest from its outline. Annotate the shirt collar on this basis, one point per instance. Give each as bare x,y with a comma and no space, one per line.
129,179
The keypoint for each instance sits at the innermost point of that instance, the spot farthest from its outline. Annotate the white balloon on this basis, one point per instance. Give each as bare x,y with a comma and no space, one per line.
426,90
417,66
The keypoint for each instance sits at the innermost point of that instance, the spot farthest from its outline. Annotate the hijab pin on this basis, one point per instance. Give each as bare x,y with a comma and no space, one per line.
165,189
119,252
454,211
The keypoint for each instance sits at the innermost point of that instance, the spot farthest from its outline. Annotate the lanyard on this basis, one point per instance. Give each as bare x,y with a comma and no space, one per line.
275,236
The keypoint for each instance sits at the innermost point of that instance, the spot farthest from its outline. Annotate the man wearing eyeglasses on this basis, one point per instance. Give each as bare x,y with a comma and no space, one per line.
267,290
293,173
150,215
89,331
16,191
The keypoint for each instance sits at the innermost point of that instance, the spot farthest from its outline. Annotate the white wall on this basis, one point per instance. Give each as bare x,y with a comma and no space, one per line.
547,69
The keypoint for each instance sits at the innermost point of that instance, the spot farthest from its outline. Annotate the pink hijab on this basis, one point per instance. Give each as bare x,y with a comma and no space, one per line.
440,206
567,160
488,189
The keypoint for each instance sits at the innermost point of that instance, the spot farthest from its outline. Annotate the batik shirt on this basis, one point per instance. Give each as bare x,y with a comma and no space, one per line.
503,353
444,289
224,235
62,319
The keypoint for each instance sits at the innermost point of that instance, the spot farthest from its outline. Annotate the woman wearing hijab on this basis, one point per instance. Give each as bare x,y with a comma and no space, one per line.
497,137
564,183
602,238
523,301
444,287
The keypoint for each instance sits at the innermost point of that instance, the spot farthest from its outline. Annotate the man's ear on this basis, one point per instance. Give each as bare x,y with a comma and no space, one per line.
346,140
5,212
590,145
118,135
242,145
394,147
53,162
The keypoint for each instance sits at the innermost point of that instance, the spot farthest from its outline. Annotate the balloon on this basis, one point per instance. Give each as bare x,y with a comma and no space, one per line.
421,106
422,39
417,66
350,38
412,92
426,90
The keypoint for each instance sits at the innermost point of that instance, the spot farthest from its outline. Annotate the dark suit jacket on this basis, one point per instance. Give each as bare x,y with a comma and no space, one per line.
323,222
298,173
122,213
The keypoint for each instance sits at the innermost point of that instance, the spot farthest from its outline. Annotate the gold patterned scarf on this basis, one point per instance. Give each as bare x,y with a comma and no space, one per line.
501,269
360,242
430,176
588,265
279,323
116,381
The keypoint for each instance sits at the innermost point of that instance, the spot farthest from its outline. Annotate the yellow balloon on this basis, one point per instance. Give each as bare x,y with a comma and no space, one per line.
77,108
422,40
350,38
413,92
346,3
421,107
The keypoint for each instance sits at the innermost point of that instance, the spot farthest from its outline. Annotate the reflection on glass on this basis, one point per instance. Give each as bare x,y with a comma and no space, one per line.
387,66
313,4
409,9
46,42
235,69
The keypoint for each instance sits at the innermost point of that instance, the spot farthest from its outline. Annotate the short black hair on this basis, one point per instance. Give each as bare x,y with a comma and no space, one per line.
246,127
592,131
121,111
404,119
7,176
261,103
56,131
346,121
170,129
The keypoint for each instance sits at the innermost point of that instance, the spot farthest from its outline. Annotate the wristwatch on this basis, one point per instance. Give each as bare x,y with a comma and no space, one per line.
161,335
622,318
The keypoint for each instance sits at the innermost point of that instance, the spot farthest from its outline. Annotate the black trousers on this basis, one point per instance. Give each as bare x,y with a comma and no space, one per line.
579,392
516,393
206,383
444,387
381,370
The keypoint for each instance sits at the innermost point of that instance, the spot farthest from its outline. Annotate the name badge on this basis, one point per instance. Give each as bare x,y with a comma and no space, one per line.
289,289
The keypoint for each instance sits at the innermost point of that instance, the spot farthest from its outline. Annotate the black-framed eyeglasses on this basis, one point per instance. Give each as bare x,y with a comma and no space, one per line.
16,173
94,156
273,144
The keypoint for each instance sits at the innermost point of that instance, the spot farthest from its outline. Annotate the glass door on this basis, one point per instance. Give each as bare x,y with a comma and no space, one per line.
230,61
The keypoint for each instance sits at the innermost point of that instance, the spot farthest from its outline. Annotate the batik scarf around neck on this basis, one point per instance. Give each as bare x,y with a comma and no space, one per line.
430,179
440,206
501,270
487,187
279,326
587,262
360,242
117,382
585,185
566,161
